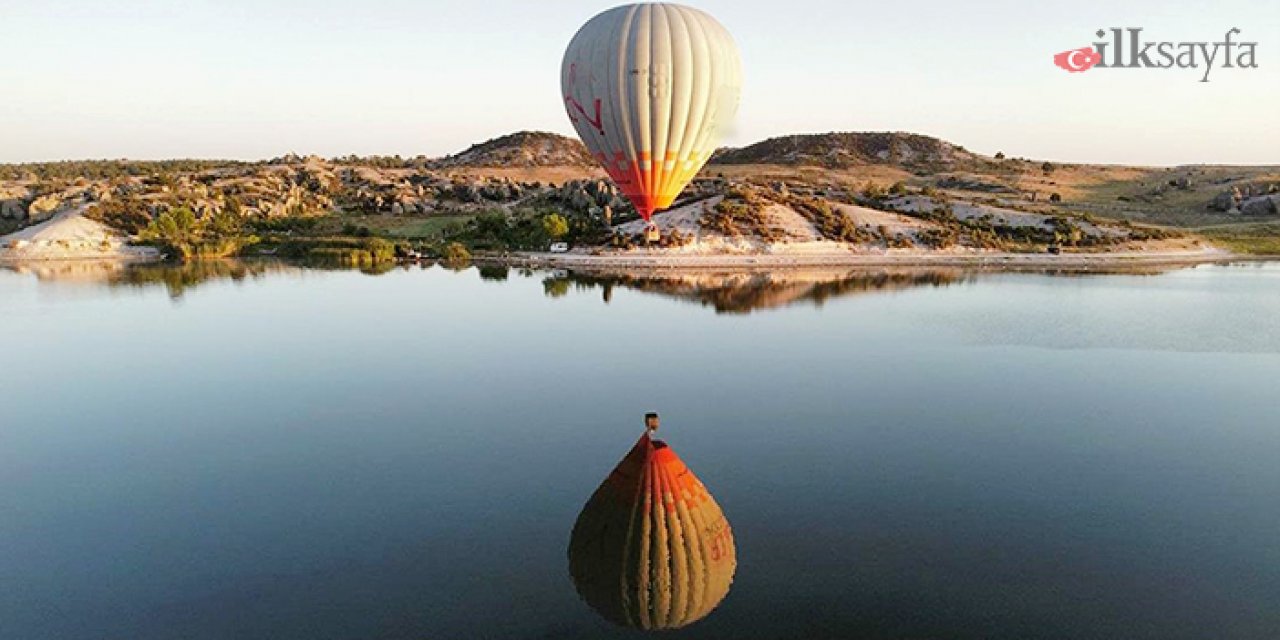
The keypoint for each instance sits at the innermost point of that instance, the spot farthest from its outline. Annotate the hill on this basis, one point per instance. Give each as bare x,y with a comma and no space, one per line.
522,150
852,149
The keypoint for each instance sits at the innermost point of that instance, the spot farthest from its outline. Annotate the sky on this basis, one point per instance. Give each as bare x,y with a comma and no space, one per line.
242,79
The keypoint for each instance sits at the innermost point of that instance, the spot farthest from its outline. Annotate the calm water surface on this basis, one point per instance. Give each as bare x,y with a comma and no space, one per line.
229,451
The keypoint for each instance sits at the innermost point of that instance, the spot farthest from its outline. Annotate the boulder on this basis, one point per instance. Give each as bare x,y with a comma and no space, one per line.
1261,206
466,192
1225,201
43,208
13,209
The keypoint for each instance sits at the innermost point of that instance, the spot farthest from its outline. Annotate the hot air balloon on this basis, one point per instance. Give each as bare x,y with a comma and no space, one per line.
652,549
647,87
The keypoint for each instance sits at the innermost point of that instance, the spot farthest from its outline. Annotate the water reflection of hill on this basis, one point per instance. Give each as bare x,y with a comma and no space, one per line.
176,277
730,292
91,272
744,292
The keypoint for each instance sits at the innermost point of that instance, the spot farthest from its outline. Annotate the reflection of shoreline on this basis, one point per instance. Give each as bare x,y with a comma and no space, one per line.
178,277
743,292
725,290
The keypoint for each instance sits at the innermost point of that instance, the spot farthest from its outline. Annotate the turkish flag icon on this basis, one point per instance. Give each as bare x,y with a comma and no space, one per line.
1077,60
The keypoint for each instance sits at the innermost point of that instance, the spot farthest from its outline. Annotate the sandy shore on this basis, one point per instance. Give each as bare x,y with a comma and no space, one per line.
70,236
659,260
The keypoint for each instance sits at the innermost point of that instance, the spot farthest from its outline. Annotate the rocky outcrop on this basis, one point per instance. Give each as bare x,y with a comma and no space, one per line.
13,209
523,149
1226,201
1250,195
1261,206
963,183
13,202
843,150
591,196
43,208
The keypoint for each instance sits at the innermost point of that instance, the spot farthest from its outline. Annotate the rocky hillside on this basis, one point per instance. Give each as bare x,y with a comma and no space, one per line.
523,149
977,202
845,150
757,217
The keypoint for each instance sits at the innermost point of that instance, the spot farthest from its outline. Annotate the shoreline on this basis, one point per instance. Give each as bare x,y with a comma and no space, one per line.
9,261
744,262
992,261
70,236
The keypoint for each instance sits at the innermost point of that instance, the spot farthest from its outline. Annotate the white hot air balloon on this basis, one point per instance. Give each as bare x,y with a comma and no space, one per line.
647,87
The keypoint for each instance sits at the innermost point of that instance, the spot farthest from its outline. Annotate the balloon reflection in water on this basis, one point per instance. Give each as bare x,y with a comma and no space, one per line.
651,548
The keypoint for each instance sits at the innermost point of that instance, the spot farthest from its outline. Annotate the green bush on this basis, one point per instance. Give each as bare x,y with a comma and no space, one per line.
129,216
555,226
456,255
380,250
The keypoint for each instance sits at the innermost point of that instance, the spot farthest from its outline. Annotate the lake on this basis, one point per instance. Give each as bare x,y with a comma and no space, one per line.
258,450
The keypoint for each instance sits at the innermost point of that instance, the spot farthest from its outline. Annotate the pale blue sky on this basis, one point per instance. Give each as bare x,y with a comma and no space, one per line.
256,79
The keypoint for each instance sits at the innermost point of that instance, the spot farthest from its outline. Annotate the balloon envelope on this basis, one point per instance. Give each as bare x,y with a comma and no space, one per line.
651,548
647,87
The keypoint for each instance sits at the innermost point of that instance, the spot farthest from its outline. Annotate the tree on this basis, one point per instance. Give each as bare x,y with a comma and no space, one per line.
225,224
555,287
873,191
555,226
456,256
1047,167
176,228
999,155
492,225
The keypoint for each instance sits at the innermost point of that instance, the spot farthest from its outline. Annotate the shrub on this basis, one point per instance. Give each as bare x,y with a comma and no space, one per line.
380,250
125,215
456,255
176,229
555,226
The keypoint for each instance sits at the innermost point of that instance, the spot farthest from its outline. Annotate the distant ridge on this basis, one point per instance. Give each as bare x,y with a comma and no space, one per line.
851,149
522,149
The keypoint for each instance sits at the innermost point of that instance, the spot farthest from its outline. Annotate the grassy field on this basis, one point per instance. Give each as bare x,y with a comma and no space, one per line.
1148,196
1261,238
407,228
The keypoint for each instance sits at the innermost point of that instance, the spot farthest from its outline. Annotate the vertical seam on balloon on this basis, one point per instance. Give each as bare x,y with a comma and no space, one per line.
672,530
724,51
591,44
703,88
629,544
672,16
643,103
659,29
618,74
666,585
681,565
